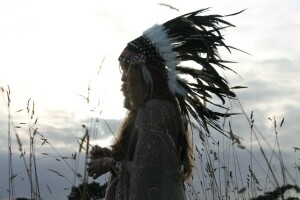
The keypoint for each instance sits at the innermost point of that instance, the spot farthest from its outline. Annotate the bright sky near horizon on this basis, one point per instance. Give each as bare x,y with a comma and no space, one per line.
50,51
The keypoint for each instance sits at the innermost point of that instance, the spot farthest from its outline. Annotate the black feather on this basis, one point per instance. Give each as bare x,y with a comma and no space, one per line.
197,38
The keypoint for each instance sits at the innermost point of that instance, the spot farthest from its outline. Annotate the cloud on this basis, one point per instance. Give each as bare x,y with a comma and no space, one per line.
60,185
62,142
273,90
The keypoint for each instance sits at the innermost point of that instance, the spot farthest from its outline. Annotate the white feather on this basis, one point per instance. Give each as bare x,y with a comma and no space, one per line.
147,77
159,38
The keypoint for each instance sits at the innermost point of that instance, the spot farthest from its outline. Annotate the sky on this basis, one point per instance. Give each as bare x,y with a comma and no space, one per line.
51,52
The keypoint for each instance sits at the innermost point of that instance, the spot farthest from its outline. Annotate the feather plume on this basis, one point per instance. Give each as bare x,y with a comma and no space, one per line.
197,38
192,37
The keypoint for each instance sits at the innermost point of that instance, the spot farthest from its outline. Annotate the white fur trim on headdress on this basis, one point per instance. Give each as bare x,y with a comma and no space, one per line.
159,38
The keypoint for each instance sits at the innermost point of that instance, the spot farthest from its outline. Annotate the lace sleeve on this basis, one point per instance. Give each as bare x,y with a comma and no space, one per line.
156,172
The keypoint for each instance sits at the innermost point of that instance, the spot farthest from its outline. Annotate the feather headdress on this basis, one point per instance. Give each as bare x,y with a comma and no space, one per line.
190,37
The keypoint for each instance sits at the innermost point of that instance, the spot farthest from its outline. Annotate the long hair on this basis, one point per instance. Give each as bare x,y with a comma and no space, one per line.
120,147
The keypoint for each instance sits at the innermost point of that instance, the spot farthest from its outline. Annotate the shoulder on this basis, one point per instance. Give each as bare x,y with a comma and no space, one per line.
159,111
158,119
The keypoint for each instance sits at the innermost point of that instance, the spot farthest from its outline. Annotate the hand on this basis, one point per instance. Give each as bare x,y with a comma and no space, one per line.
98,152
100,166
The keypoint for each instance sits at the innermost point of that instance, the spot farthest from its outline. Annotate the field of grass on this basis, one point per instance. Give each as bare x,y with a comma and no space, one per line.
224,168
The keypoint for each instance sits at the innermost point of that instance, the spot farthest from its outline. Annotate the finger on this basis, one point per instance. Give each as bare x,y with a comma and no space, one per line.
97,175
92,157
94,148
92,153
89,169
91,173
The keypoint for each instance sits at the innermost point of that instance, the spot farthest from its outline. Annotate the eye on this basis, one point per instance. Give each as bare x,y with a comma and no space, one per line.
124,68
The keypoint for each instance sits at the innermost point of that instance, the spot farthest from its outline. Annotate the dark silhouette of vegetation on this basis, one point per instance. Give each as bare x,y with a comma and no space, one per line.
278,192
94,191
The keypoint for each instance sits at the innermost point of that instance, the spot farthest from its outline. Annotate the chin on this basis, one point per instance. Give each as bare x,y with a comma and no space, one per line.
126,103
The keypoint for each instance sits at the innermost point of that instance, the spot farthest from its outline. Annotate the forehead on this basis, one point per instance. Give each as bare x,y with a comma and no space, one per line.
129,57
126,54
125,57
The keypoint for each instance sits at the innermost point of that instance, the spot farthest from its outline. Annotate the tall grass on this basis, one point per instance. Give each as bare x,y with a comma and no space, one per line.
30,160
220,171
